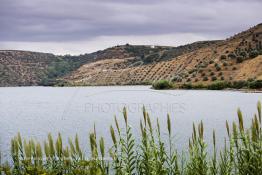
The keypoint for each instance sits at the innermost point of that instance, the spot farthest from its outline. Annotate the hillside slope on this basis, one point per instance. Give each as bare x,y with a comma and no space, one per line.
236,58
22,68
233,59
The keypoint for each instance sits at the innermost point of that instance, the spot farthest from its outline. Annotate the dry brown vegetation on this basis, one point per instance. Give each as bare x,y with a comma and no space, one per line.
234,59
228,60
22,68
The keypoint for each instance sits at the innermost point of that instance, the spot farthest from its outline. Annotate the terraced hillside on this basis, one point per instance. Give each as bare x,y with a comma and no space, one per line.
236,58
22,68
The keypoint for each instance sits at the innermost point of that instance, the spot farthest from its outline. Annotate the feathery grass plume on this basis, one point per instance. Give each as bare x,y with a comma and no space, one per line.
15,156
33,152
103,165
116,150
235,134
94,132
213,167
194,136
59,146
117,125
154,148
77,148
197,163
27,150
228,130
172,157
93,145
19,139
201,130
47,150
161,153
66,157
72,148
150,126
39,154
240,120
145,115
125,114
95,163
51,146
113,136
225,164
102,146
145,162
127,147
168,124
259,110
255,129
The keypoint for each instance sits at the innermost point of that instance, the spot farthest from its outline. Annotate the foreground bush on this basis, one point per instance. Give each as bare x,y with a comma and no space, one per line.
162,84
242,152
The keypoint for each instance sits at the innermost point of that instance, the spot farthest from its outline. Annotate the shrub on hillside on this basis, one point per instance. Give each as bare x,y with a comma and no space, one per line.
203,65
192,86
214,78
240,59
187,86
205,78
218,68
162,84
256,84
243,54
253,54
191,71
176,79
219,85
223,57
239,84
231,55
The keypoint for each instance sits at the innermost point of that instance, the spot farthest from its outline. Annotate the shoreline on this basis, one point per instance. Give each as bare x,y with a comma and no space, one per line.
244,90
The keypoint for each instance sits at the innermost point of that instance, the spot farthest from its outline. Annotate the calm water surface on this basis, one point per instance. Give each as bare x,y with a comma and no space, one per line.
36,111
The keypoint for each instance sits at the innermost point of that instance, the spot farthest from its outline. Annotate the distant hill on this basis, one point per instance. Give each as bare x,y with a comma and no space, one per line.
236,58
23,68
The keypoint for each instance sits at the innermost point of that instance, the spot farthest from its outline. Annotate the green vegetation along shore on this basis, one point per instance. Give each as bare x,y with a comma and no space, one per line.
150,155
216,85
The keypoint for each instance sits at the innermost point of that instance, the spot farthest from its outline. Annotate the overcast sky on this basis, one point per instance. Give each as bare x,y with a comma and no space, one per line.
82,26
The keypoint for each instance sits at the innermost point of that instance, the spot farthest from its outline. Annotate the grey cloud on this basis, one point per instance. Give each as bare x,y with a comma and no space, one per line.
67,20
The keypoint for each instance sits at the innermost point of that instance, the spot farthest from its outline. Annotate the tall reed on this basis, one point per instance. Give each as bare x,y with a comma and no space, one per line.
150,154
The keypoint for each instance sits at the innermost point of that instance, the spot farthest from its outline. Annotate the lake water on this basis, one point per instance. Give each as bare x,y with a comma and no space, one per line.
36,111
